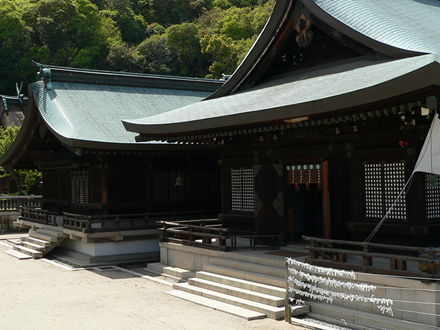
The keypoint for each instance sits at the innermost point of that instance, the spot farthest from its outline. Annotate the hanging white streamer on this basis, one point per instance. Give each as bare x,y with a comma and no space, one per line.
323,294
322,270
342,295
385,310
311,295
331,282
300,302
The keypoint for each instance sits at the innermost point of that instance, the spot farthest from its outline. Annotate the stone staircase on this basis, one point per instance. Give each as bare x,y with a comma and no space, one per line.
245,286
39,242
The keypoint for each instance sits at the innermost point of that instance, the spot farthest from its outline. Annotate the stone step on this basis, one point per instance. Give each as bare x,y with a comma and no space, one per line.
244,284
36,241
18,254
270,311
238,292
34,253
245,275
175,272
49,232
13,240
217,305
42,236
33,246
250,267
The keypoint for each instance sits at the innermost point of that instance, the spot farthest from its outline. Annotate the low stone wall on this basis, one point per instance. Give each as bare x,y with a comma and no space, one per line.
412,299
186,257
6,222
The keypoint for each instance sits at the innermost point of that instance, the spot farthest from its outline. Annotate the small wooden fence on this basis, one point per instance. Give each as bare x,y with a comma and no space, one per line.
14,203
204,232
360,256
38,216
199,233
122,222
107,223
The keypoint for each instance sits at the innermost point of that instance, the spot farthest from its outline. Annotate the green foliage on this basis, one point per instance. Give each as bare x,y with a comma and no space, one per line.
176,37
224,55
222,4
12,44
184,41
27,180
156,57
7,137
123,57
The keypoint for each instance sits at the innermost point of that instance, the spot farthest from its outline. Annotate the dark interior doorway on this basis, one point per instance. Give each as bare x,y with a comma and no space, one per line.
304,211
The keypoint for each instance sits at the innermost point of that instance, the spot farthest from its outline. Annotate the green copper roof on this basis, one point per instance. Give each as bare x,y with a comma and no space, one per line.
303,94
411,25
79,112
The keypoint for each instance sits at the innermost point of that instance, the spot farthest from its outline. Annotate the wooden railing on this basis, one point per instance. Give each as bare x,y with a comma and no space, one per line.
38,216
35,215
204,232
123,222
199,233
336,254
14,203
107,223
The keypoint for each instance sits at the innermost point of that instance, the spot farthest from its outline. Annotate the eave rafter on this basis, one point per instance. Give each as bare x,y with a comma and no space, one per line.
288,124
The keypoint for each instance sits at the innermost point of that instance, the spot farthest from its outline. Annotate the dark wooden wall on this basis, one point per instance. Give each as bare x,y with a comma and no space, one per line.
347,149
122,185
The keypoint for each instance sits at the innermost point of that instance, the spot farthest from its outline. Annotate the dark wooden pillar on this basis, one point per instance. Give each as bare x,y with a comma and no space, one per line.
104,188
326,200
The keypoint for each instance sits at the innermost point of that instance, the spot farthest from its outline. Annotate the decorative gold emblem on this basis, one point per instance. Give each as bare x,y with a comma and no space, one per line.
302,26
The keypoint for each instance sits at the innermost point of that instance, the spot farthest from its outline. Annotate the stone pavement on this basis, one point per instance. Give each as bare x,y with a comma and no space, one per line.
36,294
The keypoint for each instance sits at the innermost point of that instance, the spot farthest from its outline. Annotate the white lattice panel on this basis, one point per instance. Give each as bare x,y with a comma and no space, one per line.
432,196
248,190
394,180
242,190
373,191
236,190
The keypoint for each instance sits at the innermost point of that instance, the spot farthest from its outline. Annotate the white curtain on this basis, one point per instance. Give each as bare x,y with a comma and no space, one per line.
429,158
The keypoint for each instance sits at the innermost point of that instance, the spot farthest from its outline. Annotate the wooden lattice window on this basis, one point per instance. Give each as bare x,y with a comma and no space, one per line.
383,185
432,196
166,187
79,187
242,189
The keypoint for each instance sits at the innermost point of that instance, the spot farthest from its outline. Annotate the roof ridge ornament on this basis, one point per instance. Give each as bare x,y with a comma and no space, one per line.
5,103
18,89
47,74
302,26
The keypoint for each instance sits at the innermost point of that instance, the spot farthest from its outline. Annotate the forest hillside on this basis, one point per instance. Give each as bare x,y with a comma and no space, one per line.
195,38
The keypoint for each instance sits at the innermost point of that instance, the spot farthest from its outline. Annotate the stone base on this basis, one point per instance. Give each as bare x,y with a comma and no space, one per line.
7,222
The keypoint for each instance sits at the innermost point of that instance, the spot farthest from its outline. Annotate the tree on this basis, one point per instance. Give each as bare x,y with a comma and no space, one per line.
155,55
184,41
12,45
224,55
123,57
64,27
115,35
132,26
26,180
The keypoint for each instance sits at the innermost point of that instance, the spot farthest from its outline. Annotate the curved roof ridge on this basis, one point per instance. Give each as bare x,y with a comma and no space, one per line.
395,27
283,99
